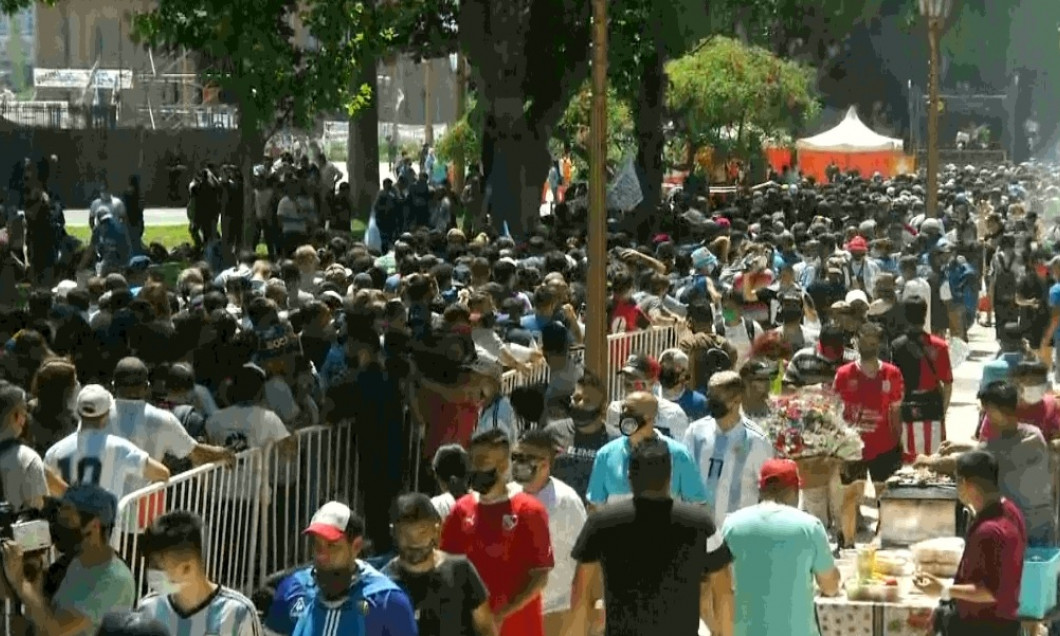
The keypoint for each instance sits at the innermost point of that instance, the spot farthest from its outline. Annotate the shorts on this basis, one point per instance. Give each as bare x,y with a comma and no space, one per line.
880,467
921,438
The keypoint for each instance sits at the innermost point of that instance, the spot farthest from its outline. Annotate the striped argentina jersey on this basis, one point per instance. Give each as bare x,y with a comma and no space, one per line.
375,606
225,613
728,463
95,457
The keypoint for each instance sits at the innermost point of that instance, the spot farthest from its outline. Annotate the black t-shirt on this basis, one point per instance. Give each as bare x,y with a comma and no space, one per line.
444,598
574,463
654,554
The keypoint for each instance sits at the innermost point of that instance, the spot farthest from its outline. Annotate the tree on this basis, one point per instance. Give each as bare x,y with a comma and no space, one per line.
274,75
573,127
727,94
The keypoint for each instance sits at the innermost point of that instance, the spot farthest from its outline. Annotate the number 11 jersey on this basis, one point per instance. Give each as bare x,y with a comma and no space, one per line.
98,458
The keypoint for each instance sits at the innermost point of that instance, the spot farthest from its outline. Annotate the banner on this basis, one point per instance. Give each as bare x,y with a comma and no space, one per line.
624,191
79,78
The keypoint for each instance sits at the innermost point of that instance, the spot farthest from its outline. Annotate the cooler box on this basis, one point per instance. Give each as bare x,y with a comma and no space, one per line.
1038,586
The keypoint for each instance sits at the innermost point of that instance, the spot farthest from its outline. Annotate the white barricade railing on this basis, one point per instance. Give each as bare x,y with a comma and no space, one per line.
321,466
228,499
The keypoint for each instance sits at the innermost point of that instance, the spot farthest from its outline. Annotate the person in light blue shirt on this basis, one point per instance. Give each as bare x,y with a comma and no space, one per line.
609,479
778,552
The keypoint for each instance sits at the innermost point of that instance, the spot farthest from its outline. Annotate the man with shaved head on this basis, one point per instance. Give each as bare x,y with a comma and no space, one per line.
609,480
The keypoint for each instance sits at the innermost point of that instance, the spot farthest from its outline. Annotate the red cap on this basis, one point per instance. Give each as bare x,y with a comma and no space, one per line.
857,244
330,522
722,221
783,471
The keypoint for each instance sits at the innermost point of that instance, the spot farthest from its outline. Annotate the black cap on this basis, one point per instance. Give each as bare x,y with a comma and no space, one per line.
641,365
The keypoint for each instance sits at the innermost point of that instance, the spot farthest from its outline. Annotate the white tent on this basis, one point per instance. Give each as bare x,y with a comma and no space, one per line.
851,135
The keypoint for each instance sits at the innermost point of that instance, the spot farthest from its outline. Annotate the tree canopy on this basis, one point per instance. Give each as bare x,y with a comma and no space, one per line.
724,89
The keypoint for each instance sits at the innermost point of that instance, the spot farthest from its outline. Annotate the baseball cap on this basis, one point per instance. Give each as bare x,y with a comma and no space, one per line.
140,262
92,500
780,471
63,288
675,357
856,295
94,401
857,244
131,372
641,365
332,521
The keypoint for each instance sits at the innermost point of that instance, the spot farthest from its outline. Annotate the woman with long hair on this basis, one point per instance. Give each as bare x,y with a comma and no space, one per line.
53,412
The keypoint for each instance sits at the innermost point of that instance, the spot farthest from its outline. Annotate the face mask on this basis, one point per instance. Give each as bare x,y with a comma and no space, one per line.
160,583
415,555
1033,394
790,315
334,579
669,378
67,540
584,416
630,423
524,472
482,481
718,408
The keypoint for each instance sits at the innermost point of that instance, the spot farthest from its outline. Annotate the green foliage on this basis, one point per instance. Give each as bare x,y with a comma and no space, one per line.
459,140
725,85
427,28
249,48
573,127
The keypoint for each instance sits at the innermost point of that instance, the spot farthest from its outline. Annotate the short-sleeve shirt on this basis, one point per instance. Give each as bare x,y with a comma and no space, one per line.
1045,416
158,432
993,559
444,598
728,463
94,591
867,404
22,474
504,540
566,516
574,463
97,458
1025,477
241,427
609,479
626,316
776,552
225,612
654,555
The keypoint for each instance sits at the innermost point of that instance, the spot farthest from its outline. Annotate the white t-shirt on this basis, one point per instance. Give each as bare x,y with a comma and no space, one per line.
443,503
239,428
156,431
22,471
566,516
98,458
671,419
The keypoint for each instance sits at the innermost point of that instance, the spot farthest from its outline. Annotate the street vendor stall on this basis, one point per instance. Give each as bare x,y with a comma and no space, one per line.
851,145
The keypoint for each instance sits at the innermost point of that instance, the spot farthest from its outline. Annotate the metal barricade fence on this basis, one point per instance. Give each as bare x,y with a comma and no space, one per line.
228,499
321,466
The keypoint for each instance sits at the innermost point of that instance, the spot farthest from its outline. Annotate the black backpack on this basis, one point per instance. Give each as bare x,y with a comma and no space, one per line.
1005,280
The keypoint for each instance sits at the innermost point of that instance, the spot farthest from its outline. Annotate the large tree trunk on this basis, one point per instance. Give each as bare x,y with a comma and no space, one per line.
515,180
648,127
251,151
362,147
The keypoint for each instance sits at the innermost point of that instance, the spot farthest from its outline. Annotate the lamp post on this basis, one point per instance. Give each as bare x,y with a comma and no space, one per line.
596,296
936,12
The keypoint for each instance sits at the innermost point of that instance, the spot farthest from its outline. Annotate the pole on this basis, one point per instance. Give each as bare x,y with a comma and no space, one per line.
459,161
428,112
933,118
596,316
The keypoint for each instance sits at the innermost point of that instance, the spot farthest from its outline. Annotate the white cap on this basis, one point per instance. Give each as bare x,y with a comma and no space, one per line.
331,522
94,401
855,295
64,288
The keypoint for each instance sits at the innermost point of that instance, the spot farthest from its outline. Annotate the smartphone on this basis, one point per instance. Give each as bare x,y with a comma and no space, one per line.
32,535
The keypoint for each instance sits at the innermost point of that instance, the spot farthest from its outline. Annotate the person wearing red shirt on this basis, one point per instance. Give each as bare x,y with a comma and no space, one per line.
872,392
1036,407
625,315
924,361
504,533
986,589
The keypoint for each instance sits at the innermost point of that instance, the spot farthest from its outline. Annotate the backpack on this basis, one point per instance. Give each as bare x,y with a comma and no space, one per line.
1004,281
706,357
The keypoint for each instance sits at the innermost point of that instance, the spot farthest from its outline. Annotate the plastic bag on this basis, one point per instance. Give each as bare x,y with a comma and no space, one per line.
959,351
372,238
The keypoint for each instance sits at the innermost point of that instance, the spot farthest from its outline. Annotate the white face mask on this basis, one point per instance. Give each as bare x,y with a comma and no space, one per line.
160,583
1034,394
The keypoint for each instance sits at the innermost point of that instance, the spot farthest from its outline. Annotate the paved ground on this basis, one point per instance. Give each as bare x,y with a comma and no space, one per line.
178,216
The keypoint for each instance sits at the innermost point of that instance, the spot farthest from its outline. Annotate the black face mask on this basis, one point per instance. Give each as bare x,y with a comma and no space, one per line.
790,315
482,481
415,555
584,416
669,378
334,582
718,409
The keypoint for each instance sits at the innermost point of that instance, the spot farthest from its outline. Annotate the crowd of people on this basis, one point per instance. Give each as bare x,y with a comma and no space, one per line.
533,505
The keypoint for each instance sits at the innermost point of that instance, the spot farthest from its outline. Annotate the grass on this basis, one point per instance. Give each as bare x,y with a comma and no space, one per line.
173,235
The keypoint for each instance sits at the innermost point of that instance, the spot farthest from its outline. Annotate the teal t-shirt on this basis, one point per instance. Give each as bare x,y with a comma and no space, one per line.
776,550
94,591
